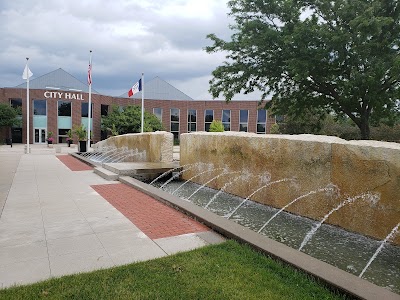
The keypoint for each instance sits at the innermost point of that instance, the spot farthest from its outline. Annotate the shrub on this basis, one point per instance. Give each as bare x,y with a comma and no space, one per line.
386,133
216,126
274,129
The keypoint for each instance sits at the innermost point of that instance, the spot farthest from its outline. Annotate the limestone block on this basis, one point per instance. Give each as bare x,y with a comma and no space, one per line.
368,166
297,165
155,146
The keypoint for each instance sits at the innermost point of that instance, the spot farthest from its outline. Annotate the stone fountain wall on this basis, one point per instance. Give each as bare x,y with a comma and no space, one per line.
158,146
313,162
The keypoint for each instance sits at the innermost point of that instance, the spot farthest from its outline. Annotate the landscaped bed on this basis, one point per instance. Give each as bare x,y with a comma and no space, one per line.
226,271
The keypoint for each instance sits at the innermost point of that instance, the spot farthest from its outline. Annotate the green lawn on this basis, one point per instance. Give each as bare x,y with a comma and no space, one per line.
226,271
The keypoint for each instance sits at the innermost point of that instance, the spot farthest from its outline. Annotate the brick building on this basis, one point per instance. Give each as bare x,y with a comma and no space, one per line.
59,101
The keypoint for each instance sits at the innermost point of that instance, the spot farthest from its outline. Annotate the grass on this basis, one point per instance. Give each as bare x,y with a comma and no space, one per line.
226,271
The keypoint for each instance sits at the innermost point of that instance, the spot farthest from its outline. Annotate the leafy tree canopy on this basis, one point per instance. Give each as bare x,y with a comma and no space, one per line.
128,120
8,115
340,56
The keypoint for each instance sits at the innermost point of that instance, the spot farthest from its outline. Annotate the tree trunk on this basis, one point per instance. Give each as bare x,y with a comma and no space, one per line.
364,129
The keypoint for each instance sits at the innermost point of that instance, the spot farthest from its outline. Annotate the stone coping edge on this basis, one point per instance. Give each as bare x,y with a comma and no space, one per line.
332,276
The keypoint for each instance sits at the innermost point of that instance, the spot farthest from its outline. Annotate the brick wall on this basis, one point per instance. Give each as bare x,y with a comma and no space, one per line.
97,100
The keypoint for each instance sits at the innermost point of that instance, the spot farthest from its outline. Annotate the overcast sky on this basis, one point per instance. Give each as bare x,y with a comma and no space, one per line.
162,38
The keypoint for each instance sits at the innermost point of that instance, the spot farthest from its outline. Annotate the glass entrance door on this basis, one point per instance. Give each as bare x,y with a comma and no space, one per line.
40,135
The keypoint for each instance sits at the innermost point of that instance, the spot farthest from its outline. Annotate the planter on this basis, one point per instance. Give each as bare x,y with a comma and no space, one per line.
69,142
82,146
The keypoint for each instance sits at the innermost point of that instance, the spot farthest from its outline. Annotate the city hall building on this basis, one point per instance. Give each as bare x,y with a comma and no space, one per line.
58,101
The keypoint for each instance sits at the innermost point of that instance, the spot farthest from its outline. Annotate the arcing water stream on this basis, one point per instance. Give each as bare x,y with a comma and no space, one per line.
345,250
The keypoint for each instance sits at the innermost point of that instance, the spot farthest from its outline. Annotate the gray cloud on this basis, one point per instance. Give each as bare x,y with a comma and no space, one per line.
164,39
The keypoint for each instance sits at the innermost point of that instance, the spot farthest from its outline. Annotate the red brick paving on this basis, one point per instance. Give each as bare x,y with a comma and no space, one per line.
154,218
73,163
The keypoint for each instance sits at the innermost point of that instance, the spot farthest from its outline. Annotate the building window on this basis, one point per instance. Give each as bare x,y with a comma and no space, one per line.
261,121
175,122
104,110
226,119
192,119
17,104
39,108
85,111
158,113
64,120
243,120
208,118
85,116
62,135
64,108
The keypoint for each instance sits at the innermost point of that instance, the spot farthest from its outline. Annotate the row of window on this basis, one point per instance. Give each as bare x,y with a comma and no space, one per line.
64,114
64,110
209,117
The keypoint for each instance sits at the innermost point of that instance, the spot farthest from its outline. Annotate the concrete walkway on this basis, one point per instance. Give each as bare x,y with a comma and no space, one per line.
54,223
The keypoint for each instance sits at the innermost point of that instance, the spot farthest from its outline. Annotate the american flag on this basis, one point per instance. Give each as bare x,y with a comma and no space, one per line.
89,75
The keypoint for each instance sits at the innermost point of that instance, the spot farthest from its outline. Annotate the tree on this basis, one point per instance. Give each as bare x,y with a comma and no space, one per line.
8,115
128,120
340,56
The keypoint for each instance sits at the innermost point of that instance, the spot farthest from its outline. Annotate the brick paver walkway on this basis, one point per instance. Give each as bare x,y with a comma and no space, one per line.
155,219
74,164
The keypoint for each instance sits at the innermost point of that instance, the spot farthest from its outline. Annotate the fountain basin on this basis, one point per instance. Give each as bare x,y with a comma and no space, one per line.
314,162
333,276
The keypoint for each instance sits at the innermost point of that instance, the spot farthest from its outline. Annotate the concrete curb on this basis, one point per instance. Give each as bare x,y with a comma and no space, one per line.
334,277
106,174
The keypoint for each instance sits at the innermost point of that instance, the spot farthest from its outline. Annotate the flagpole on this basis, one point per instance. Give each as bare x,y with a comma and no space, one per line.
90,102
142,121
27,106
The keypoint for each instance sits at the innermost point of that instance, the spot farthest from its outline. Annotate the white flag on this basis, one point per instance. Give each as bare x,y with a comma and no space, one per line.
26,71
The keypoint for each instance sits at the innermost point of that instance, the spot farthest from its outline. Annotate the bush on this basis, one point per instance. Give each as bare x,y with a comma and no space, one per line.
341,127
308,121
274,129
386,133
344,131
216,126
349,131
